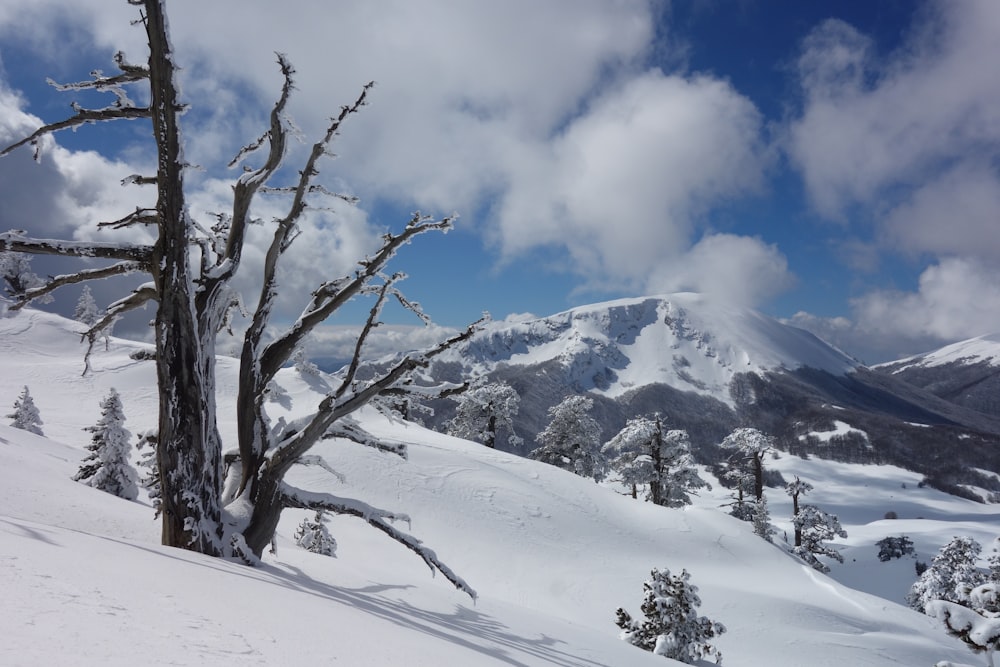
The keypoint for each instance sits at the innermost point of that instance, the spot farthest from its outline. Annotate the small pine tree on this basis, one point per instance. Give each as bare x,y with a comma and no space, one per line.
572,440
951,573
762,519
86,308
894,547
107,467
150,479
816,527
672,627
312,535
26,416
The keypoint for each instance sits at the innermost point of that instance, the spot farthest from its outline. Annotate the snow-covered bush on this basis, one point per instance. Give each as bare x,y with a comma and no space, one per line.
26,416
484,411
980,630
894,547
762,519
672,627
107,467
572,440
950,575
312,535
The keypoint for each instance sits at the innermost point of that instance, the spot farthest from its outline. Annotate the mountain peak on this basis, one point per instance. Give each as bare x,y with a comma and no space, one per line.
684,340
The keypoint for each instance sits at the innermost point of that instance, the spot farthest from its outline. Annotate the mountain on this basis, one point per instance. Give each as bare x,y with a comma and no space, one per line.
966,373
710,367
551,554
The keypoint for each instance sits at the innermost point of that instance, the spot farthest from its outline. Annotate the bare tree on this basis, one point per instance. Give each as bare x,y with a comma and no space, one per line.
195,299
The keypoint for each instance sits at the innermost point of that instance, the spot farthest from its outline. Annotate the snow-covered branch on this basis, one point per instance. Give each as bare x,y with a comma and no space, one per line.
54,283
16,241
377,518
82,117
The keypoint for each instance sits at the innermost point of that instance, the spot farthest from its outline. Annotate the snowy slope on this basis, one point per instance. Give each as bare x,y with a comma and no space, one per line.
982,349
551,554
683,340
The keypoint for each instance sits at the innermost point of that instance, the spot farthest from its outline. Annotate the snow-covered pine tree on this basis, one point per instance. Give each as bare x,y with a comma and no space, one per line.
313,535
26,416
978,624
741,481
795,489
762,519
484,411
672,627
749,446
107,467
572,440
816,527
15,271
192,266
86,308
642,453
150,476
950,575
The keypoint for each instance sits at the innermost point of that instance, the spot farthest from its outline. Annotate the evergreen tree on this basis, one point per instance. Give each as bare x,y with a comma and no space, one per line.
762,519
749,447
644,454
483,411
951,575
572,440
26,416
107,467
150,479
15,271
741,481
86,308
312,535
796,489
672,627
816,527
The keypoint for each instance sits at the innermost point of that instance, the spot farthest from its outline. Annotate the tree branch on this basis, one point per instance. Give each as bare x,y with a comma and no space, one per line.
16,241
56,282
82,117
299,499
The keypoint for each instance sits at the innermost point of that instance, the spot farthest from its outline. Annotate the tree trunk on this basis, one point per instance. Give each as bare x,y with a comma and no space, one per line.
795,513
758,476
491,432
188,444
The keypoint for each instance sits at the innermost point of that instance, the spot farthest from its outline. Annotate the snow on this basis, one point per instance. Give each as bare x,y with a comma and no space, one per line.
551,554
685,340
972,351
839,429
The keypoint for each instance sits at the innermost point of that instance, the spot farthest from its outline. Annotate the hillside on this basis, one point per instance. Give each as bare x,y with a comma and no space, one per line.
551,554
710,367
966,373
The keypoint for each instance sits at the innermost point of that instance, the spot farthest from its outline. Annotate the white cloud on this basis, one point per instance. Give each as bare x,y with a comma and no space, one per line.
954,214
732,268
870,126
624,185
956,299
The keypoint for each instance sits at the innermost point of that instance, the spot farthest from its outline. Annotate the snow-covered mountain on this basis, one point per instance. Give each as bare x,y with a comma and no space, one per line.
685,341
552,555
966,373
710,367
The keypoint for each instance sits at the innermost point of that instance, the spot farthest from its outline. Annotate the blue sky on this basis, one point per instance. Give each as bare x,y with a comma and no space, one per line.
832,164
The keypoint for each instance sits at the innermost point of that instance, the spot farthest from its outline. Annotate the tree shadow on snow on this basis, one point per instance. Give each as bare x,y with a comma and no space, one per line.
466,627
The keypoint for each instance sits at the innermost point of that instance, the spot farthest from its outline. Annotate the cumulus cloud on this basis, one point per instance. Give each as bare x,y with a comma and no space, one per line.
738,269
868,125
909,142
956,299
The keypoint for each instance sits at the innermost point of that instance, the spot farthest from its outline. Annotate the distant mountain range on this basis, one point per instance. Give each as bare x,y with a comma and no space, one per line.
711,367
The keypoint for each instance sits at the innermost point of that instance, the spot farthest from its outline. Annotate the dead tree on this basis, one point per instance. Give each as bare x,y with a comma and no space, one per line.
194,300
